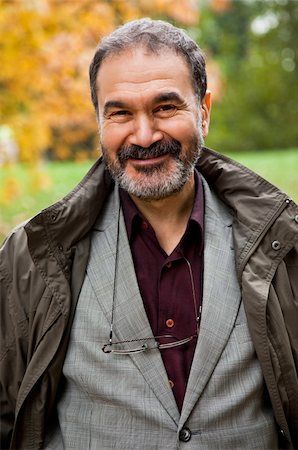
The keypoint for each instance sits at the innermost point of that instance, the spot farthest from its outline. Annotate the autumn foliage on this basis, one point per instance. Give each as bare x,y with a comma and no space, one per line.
46,47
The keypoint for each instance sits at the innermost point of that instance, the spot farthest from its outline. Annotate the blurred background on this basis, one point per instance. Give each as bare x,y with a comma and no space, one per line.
48,130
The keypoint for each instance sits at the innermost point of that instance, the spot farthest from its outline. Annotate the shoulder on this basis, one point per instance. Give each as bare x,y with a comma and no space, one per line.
14,248
265,219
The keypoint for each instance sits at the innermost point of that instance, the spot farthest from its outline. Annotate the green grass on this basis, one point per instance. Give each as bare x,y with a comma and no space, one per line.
24,190
280,167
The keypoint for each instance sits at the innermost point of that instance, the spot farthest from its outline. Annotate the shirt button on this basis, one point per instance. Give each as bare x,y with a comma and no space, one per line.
170,323
171,384
185,435
168,265
145,225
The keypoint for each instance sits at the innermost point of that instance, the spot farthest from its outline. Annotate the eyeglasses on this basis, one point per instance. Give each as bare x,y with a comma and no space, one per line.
144,345
133,346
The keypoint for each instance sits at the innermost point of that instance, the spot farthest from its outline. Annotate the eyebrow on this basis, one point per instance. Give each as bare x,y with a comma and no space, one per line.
163,97
168,96
112,104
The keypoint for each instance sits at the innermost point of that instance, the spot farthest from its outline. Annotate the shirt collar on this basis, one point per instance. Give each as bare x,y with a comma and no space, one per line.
133,217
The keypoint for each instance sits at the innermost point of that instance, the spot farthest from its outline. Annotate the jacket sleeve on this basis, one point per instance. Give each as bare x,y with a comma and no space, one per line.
284,336
286,287
14,329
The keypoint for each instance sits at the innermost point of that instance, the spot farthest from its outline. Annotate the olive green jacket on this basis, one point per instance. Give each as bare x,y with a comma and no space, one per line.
42,269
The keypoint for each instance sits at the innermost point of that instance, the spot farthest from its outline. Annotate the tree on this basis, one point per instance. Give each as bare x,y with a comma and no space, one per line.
46,47
255,44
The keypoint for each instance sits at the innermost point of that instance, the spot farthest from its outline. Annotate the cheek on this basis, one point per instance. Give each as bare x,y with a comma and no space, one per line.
111,139
183,131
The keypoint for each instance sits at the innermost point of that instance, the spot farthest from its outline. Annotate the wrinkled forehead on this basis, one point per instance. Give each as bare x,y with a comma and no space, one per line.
162,58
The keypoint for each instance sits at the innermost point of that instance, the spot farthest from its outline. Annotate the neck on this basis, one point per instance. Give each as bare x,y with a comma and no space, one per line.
169,216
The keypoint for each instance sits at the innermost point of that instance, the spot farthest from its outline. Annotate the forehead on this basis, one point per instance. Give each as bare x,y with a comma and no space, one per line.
139,71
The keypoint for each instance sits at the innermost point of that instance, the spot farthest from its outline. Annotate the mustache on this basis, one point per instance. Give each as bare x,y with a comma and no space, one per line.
156,149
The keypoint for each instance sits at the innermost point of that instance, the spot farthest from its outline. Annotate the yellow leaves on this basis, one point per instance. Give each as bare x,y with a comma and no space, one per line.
97,24
126,10
46,47
62,152
32,136
182,11
12,188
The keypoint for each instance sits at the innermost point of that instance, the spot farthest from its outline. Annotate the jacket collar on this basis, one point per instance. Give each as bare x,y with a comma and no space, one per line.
56,230
253,201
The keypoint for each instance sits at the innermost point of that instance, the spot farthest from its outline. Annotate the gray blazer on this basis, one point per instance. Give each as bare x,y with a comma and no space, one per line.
125,402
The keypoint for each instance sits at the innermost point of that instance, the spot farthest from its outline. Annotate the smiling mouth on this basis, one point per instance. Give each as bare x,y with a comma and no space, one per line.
146,155
150,159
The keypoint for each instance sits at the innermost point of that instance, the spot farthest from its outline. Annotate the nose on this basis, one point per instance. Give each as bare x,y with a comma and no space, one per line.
145,131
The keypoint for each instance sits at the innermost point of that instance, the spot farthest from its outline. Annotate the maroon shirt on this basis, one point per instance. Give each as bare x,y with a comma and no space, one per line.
165,284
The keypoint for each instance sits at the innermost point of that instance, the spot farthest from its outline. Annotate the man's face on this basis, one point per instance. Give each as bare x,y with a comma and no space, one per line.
151,123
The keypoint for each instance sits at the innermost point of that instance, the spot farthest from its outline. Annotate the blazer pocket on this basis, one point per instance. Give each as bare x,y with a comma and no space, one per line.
241,333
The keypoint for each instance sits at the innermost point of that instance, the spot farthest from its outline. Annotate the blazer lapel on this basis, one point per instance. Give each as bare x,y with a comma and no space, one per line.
221,299
130,319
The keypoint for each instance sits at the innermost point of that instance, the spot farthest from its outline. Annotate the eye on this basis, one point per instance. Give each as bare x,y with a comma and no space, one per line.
165,111
120,116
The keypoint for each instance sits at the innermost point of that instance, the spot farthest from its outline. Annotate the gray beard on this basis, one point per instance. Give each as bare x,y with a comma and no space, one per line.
157,181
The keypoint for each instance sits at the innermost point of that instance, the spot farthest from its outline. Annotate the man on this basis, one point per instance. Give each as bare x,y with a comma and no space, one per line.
155,306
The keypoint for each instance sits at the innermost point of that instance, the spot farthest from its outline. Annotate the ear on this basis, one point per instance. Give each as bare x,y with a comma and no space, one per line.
206,111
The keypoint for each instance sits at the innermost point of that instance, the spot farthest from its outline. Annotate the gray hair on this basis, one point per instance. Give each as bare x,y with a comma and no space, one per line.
154,35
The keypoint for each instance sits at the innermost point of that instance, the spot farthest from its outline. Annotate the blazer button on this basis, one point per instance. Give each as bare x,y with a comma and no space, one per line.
185,435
